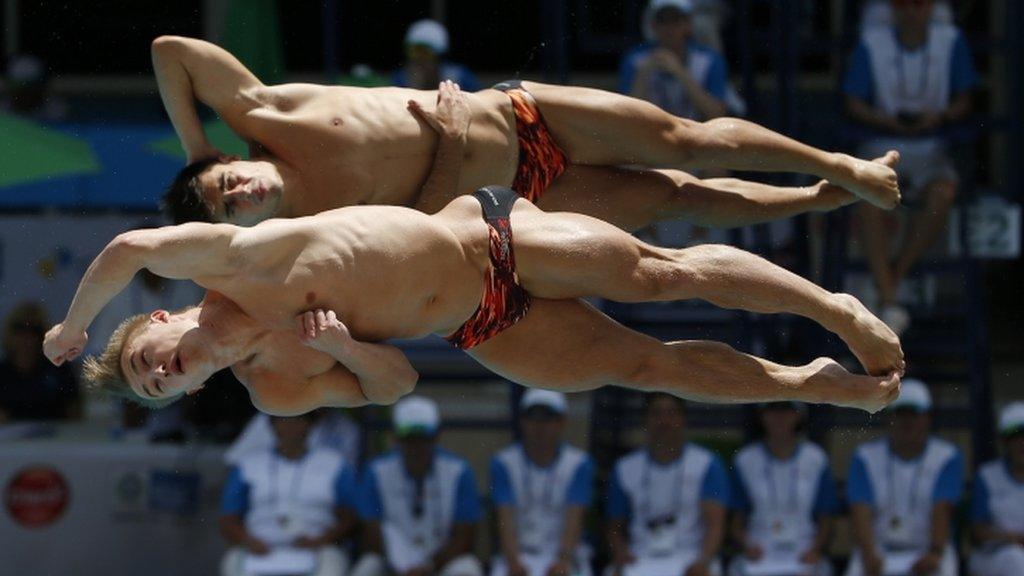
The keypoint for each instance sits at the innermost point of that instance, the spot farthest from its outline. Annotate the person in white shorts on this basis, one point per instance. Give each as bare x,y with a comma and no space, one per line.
419,504
541,488
287,509
784,496
997,504
667,501
905,82
902,491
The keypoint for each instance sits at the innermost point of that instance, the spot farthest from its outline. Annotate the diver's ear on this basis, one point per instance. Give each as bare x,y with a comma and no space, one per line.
195,391
162,316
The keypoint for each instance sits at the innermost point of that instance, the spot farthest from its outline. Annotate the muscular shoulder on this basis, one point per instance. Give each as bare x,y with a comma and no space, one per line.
286,97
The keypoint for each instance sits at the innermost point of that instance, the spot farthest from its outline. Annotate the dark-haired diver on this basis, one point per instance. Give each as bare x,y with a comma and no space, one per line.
315,148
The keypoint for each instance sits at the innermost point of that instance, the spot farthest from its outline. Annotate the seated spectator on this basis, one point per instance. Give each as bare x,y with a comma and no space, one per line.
287,510
419,504
902,491
785,499
904,84
997,506
28,91
31,388
541,488
667,501
426,42
670,70
332,430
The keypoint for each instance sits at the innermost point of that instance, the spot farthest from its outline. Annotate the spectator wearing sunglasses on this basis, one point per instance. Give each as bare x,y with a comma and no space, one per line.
419,504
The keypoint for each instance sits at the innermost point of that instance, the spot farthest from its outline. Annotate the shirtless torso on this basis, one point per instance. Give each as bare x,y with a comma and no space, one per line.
387,272
361,146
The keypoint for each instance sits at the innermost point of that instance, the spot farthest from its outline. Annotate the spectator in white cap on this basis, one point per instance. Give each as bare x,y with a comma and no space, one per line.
29,93
902,491
667,501
785,499
332,429
419,504
997,504
426,43
541,488
672,71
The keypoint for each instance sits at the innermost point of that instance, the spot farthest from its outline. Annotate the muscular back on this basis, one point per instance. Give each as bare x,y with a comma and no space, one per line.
363,145
387,272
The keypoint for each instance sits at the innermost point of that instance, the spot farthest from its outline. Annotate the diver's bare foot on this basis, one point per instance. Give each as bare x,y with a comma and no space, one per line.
832,197
829,197
871,341
874,181
829,382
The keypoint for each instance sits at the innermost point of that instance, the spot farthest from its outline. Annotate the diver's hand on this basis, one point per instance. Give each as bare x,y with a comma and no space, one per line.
321,330
63,344
451,117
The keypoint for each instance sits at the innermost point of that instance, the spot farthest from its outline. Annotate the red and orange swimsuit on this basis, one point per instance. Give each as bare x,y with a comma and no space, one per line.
505,301
541,160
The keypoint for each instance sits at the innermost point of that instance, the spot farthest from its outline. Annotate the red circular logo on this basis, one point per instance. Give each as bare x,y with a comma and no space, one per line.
37,496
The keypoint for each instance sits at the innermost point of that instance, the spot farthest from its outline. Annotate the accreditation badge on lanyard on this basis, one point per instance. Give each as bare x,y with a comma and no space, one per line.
425,504
663,535
288,522
538,505
782,512
288,511
662,529
902,509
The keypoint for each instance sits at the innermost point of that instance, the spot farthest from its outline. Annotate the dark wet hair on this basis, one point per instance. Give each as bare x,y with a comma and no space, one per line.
183,200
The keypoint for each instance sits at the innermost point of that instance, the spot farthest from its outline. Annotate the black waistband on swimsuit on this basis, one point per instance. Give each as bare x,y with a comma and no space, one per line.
496,201
507,85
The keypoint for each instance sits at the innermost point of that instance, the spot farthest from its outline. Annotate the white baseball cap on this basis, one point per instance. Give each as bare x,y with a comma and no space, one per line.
914,395
430,33
1011,419
647,22
416,415
534,397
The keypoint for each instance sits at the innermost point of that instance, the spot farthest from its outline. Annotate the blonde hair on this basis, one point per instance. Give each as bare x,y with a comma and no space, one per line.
105,373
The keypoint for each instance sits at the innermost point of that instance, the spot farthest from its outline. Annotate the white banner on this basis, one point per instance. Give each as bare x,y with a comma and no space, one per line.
109,508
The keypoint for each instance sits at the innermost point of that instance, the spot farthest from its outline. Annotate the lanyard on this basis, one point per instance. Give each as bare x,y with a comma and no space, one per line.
548,482
296,479
922,83
912,493
420,501
770,464
676,487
